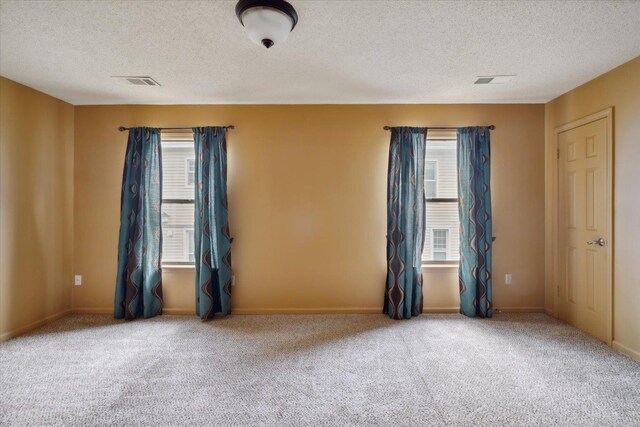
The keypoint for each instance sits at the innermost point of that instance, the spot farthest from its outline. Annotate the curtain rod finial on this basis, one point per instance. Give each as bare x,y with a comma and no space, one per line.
122,128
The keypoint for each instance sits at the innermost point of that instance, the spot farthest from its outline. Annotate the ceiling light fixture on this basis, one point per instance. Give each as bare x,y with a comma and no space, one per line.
268,22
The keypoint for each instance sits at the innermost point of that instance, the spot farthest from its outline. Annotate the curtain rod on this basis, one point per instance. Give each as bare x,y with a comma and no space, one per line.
492,127
122,128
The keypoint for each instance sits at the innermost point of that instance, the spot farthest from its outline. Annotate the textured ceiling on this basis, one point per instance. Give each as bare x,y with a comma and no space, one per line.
340,52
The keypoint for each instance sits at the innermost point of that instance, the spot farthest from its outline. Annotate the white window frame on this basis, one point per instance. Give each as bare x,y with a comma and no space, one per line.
185,245
449,137
176,139
447,244
435,180
186,172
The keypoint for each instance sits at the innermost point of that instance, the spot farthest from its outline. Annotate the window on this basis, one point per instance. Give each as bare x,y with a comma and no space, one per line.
189,246
431,178
442,236
178,178
190,172
439,244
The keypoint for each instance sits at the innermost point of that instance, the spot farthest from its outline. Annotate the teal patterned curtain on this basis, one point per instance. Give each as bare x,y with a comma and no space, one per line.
474,189
139,280
405,222
212,238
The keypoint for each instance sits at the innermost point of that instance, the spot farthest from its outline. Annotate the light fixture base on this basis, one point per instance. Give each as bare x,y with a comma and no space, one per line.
280,5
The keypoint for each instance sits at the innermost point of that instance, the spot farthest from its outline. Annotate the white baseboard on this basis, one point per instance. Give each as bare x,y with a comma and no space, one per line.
192,311
31,326
312,310
625,350
93,310
318,310
440,310
369,310
109,310
521,309
334,310
179,311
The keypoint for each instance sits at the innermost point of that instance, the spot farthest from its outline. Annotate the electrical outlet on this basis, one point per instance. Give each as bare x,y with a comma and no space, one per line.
507,279
78,280
233,280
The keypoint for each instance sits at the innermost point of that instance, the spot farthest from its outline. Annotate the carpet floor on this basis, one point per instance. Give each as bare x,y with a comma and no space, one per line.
316,370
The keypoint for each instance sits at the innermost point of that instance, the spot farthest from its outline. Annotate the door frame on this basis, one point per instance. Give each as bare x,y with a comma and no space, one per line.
606,114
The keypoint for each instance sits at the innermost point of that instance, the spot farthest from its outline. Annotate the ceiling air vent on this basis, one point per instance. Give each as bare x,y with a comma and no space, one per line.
138,80
493,80
483,81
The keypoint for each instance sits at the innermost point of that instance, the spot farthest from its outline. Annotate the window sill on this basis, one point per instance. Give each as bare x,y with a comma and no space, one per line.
179,266
447,265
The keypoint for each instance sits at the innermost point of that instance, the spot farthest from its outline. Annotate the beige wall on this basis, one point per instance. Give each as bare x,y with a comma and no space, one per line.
620,89
307,189
307,201
36,207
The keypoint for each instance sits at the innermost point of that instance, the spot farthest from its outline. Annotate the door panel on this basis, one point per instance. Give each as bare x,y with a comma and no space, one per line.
585,296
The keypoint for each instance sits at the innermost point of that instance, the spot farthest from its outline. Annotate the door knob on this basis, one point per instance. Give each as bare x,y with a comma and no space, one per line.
599,242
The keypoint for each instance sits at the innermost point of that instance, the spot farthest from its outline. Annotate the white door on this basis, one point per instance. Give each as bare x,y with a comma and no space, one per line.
584,249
